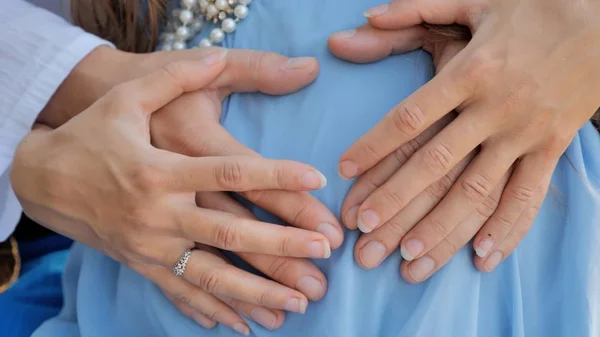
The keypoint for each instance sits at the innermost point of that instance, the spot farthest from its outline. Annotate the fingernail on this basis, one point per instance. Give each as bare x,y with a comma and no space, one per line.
215,57
352,215
483,248
296,305
319,250
376,11
311,287
421,268
345,34
264,317
330,232
368,221
493,260
348,169
299,63
372,253
314,180
411,249
242,329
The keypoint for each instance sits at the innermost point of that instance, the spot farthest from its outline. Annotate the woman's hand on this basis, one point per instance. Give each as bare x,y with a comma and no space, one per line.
513,101
98,179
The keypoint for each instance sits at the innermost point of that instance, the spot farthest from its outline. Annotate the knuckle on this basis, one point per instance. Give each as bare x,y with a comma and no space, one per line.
300,212
182,297
226,236
146,178
406,150
393,197
230,175
174,74
408,118
255,61
278,268
440,188
437,159
210,281
398,227
488,206
503,223
371,151
480,67
523,193
476,188
450,248
438,228
283,247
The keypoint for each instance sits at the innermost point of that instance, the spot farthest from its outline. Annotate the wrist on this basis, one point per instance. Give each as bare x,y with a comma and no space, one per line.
92,77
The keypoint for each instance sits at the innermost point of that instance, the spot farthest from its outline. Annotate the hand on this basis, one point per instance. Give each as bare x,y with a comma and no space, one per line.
190,125
485,77
98,180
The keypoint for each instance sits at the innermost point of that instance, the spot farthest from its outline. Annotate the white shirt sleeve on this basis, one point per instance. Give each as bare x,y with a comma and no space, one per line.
38,49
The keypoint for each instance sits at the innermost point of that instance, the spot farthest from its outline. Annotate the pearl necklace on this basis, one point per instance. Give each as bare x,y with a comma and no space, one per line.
187,22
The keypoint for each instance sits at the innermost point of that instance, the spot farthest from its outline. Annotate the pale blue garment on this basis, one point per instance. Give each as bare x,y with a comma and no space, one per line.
548,287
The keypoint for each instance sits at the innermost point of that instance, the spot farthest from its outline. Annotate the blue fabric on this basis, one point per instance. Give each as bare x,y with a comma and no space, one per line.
548,287
37,294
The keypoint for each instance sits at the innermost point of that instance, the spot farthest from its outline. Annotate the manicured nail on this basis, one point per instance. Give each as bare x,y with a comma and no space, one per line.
376,11
346,34
352,214
215,57
330,232
311,287
242,329
372,253
264,317
411,249
296,305
319,250
493,261
299,63
314,180
348,169
421,268
368,221
484,247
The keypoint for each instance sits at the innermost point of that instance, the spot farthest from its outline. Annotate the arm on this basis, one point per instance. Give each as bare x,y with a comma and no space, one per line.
37,51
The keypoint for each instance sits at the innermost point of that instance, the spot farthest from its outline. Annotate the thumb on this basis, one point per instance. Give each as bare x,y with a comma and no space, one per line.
150,93
406,13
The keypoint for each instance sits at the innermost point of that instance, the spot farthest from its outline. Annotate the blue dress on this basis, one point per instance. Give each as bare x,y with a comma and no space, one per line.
550,286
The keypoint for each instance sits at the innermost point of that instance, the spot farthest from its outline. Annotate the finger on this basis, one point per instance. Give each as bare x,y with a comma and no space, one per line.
226,231
369,44
518,231
240,173
298,274
299,209
214,275
517,196
373,248
405,13
188,311
422,268
378,175
475,184
430,163
404,122
270,73
187,293
152,92
270,319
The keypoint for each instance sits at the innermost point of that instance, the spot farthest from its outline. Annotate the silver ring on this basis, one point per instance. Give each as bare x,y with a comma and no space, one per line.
179,268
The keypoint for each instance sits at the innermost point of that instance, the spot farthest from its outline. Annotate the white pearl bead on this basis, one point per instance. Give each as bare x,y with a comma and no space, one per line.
168,37
176,12
217,35
211,11
186,16
196,25
221,4
228,25
188,3
203,4
245,2
167,47
183,32
179,45
205,43
241,11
